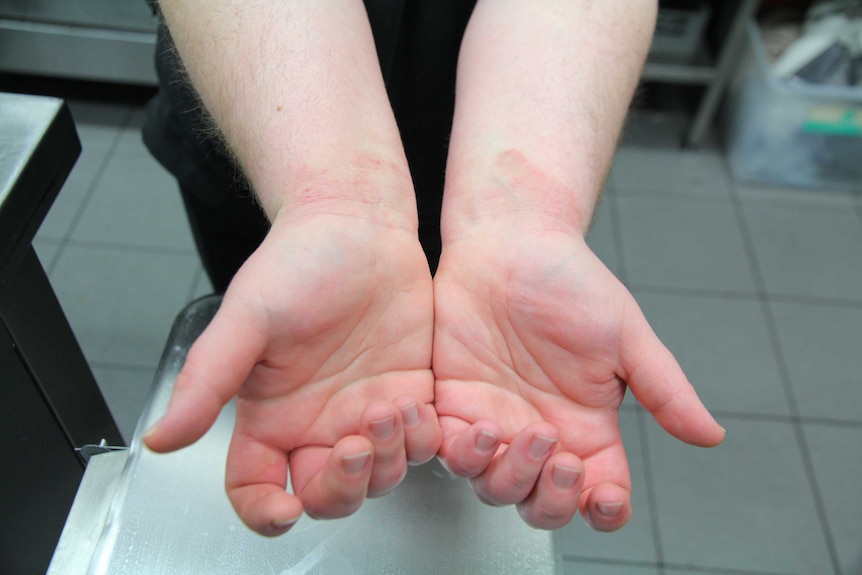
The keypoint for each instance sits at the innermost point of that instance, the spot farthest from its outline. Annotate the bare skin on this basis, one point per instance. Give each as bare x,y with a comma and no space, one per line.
535,341
325,335
324,365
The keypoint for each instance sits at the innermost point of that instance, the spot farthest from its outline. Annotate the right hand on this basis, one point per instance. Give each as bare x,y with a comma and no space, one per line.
324,336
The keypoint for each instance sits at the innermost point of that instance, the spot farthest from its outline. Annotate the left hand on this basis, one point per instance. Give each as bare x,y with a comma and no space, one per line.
535,342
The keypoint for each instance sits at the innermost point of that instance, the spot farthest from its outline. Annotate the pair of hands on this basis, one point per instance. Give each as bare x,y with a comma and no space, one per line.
325,338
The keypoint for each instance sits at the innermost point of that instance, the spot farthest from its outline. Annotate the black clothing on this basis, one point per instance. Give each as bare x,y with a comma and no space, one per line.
417,44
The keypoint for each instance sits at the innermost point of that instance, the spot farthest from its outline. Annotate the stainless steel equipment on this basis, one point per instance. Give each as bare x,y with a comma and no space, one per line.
103,40
169,513
50,401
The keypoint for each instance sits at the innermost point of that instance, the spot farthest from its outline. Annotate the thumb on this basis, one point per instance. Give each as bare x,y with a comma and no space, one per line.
659,384
216,367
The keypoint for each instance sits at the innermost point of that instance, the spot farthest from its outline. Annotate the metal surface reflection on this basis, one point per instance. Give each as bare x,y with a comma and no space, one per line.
171,515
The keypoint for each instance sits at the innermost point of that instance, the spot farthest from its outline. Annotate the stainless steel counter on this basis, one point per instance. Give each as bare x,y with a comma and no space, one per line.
51,403
169,514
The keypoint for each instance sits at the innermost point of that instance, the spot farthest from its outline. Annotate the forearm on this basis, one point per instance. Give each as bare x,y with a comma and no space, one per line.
542,92
296,90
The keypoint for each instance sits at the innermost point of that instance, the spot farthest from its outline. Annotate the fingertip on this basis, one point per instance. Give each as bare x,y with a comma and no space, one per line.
341,486
716,437
265,508
422,432
700,430
150,438
606,507
554,501
469,453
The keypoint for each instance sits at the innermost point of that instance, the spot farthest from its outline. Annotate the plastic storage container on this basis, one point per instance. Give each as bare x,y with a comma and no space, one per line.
791,133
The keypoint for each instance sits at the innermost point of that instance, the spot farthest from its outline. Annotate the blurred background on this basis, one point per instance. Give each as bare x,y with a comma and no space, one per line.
733,212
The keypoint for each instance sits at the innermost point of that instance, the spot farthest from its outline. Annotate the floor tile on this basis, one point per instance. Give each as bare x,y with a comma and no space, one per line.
98,122
83,176
125,391
821,346
601,237
136,202
121,304
837,456
634,542
592,568
826,199
743,505
670,171
130,136
724,348
683,244
46,250
201,286
807,252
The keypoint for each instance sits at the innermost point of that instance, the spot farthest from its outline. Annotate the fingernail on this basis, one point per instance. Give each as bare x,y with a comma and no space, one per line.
565,477
153,428
541,446
355,464
383,428
610,509
282,524
410,415
723,430
486,441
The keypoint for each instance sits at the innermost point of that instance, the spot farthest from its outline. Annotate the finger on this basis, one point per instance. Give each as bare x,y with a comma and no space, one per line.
512,475
381,424
554,501
607,481
255,481
659,384
469,452
422,432
332,482
606,506
216,367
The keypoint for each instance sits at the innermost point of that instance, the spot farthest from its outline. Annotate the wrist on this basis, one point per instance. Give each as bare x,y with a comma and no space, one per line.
511,190
373,190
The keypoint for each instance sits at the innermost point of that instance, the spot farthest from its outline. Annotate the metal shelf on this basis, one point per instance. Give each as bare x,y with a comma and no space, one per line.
679,73
714,77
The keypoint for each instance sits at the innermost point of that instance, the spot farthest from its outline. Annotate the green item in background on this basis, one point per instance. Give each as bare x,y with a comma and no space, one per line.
834,120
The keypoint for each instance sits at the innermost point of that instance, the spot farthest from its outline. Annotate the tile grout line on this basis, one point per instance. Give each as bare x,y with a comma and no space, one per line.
749,296
652,498
675,567
653,194
784,375
695,292
608,561
196,280
652,506
132,248
79,213
627,193
791,419
617,234
672,566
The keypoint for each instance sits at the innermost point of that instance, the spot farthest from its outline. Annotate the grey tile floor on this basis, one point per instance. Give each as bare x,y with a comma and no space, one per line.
757,290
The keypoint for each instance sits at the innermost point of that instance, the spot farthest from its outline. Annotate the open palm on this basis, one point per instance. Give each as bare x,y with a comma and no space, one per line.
535,343
324,337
